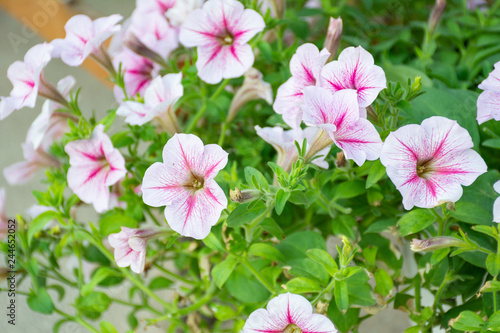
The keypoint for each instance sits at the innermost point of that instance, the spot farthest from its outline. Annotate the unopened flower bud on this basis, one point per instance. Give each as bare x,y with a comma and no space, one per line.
341,161
237,195
435,243
47,90
450,206
417,85
253,88
333,36
136,45
436,14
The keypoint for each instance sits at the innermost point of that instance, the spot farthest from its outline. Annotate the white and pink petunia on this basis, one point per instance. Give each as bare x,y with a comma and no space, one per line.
430,162
130,246
84,38
154,32
26,77
138,72
94,166
496,204
338,116
185,184
178,13
488,103
50,125
354,69
284,143
305,66
221,30
159,100
288,313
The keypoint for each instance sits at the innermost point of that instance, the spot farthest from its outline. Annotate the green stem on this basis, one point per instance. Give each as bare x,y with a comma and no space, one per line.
222,136
324,291
78,320
173,275
155,220
256,273
418,281
203,108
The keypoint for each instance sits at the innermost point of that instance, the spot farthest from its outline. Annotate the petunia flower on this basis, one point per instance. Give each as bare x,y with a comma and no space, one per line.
94,166
27,78
284,143
221,30
155,6
253,88
185,184
305,66
34,160
488,103
496,204
159,100
50,125
84,38
288,313
138,72
178,13
338,118
151,33
428,163
354,69
130,246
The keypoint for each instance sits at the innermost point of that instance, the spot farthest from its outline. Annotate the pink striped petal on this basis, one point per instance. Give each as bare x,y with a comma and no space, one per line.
492,82
496,204
307,63
488,106
355,69
214,160
195,213
288,309
134,112
288,103
161,186
216,62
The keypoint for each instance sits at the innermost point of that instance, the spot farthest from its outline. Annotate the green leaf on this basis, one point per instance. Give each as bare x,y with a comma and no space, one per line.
270,225
242,215
415,221
160,282
350,189
344,225
266,251
112,222
384,283
485,229
490,286
121,139
266,51
324,258
101,274
39,222
471,213
401,74
41,301
107,121
302,285
243,286
380,226
261,181
467,321
93,304
343,321
439,255
493,264
493,323
341,294
107,327
377,171
223,270
492,143
132,320
281,199
298,197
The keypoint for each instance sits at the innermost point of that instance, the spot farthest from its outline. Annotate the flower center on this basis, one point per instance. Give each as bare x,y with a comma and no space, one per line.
292,328
424,168
195,183
225,37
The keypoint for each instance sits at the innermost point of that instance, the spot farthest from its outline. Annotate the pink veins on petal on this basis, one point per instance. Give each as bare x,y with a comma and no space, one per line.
184,184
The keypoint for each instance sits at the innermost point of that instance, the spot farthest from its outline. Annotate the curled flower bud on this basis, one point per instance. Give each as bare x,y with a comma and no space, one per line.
436,14
435,243
341,161
244,196
333,36
136,45
253,88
